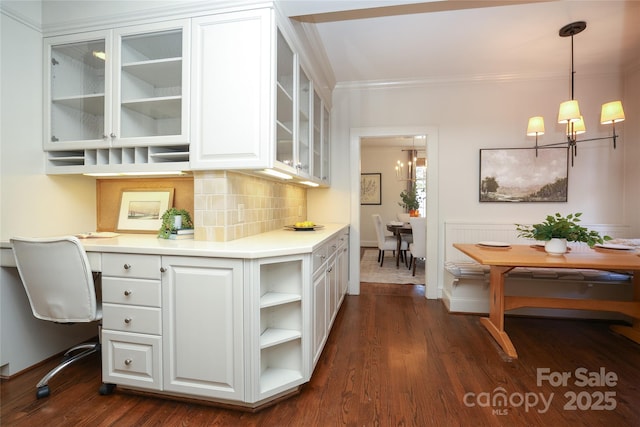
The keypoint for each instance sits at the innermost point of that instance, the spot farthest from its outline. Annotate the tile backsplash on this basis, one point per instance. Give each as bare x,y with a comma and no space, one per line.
231,205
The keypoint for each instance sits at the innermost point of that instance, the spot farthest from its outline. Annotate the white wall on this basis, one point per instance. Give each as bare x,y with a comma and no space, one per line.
31,203
631,142
381,160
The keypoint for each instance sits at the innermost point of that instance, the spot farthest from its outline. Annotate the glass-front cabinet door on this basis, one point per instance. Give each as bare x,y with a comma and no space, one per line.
317,131
304,119
284,102
78,79
150,96
121,87
326,152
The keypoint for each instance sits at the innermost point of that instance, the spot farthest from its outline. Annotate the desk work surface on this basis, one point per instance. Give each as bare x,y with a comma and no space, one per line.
535,256
273,243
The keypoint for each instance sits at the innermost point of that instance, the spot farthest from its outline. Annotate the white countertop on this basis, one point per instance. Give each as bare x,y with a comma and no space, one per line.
272,243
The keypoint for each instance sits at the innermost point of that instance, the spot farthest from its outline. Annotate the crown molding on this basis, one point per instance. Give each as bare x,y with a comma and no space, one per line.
19,17
462,79
177,10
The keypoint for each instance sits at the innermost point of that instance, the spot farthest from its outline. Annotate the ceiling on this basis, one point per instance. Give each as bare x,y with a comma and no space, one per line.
368,42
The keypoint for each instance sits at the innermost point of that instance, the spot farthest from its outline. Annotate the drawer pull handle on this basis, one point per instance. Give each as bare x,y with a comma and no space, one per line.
127,320
162,269
127,293
128,362
127,266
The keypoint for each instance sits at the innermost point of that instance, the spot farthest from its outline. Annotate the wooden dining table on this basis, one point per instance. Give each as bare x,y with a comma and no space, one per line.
398,231
501,260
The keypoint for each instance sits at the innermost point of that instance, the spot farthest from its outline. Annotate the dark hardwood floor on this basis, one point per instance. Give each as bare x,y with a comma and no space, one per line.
393,359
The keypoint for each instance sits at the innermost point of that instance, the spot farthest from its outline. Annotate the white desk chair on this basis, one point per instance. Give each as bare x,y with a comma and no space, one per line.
386,243
418,249
60,286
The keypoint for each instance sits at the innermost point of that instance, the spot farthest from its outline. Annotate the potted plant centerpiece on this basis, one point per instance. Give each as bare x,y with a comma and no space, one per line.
557,230
174,219
410,201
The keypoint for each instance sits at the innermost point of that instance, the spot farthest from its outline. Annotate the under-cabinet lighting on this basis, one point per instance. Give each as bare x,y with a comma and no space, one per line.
99,54
276,174
107,174
310,184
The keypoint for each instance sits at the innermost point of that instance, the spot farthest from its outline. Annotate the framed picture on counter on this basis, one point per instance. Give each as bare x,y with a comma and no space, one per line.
370,193
141,209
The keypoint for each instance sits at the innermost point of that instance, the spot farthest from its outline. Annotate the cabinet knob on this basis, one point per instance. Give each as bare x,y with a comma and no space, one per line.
104,136
127,293
162,269
112,135
127,320
128,362
127,266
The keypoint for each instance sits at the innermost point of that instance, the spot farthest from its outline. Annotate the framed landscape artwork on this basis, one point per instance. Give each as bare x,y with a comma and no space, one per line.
370,193
141,210
524,174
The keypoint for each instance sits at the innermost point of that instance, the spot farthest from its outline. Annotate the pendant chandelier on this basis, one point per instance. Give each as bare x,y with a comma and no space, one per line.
408,174
569,111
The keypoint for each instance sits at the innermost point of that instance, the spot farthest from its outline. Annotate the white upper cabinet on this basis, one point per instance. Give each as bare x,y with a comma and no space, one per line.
231,115
252,101
77,78
112,97
285,104
151,94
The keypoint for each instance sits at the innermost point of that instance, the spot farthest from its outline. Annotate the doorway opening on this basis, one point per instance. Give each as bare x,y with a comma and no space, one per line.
360,221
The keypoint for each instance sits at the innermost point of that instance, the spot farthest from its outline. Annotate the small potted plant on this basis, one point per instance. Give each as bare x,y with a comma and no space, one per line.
557,230
174,219
410,201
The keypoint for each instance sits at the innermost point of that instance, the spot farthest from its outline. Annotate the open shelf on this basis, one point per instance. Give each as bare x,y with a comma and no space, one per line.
157,108
90,104
276,298
272,379
159,72
272,336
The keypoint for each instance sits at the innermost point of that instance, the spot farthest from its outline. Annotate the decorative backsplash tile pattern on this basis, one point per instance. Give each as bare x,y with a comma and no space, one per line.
267,205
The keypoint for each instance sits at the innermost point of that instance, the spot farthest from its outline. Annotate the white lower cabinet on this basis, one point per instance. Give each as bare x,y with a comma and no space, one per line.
203,327
221,329
278,328
132,321
319,313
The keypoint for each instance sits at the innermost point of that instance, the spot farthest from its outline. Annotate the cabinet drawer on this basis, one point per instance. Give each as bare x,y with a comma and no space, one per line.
131,291
131,265
319,256
131,359
331,247
130,318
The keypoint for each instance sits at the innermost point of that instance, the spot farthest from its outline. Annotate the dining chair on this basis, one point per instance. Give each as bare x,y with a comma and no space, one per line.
60,286
404,217
418,249
385,242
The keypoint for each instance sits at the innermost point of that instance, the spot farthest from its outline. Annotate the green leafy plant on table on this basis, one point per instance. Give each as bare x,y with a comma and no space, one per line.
168,221
409,200
561,227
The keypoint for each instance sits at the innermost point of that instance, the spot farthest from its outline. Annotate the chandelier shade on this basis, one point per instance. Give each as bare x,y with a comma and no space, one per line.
612,112
535,126
569,111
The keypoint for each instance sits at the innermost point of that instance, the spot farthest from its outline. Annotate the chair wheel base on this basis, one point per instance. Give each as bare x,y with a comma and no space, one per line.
43,392
107,388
